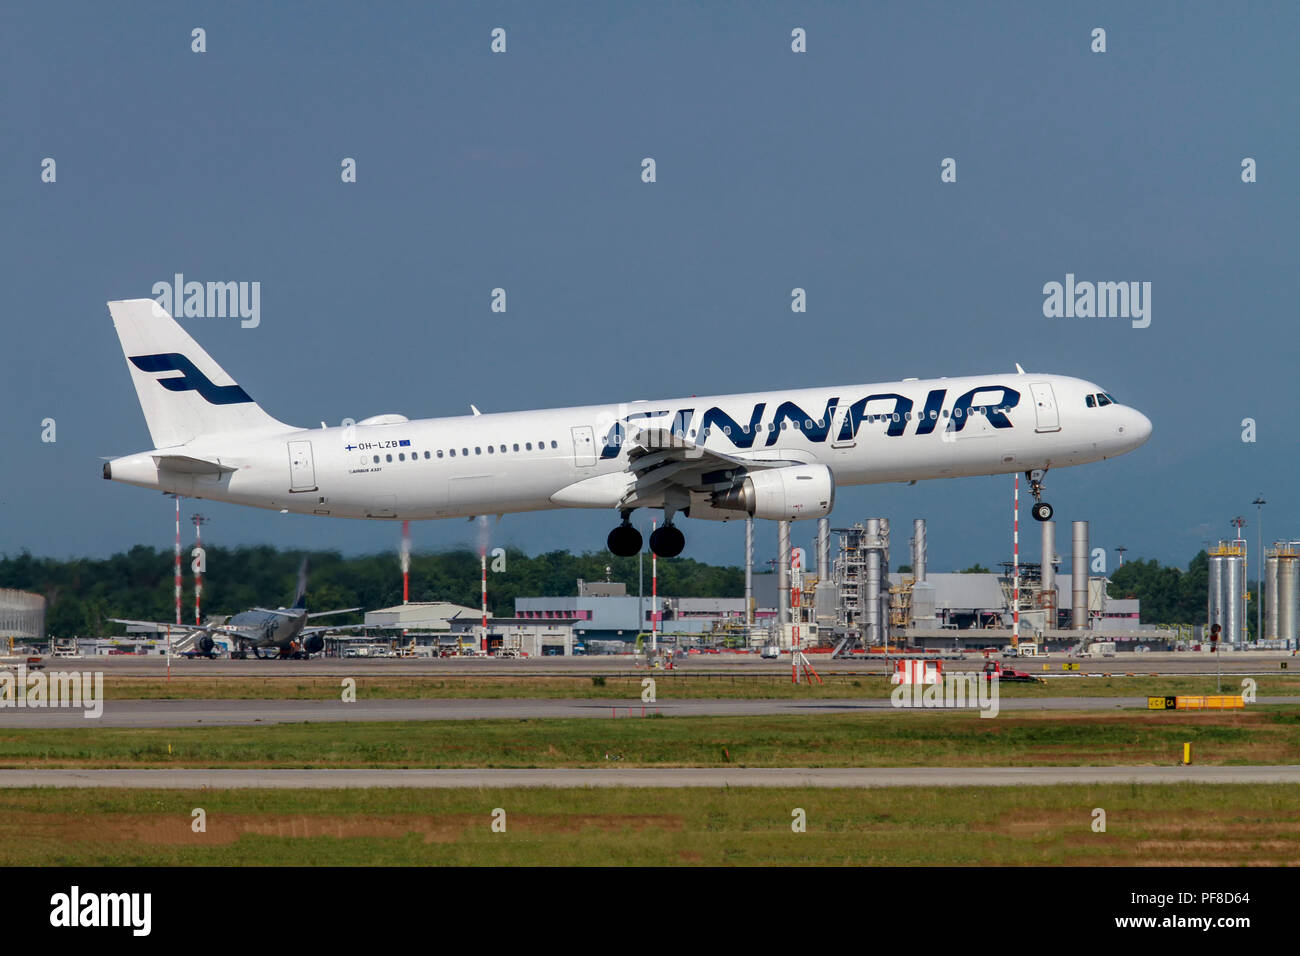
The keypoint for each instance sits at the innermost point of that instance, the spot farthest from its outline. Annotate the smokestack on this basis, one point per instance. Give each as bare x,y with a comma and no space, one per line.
749,572
871,633
406,562
1079,575
782,576
918,549
823,549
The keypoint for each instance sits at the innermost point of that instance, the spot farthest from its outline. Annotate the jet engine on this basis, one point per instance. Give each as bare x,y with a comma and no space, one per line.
314,644
204,645
781,494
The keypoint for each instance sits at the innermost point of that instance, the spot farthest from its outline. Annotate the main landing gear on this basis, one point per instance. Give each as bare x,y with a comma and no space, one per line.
667,542
1041,511
625,540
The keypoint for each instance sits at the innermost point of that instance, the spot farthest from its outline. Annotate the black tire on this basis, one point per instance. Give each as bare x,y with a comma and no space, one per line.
624,541
1042,511
667,542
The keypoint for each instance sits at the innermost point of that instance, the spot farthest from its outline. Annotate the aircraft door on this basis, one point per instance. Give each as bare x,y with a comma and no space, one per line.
837,426
302,467
584,446
1047,416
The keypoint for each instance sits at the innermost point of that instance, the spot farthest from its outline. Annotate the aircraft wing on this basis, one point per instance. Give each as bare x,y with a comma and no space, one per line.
342,610
186,628
283,613
307,631
658,458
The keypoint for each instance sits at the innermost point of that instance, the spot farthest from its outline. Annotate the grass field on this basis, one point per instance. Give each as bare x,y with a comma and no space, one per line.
668,684
1263,735
1181,824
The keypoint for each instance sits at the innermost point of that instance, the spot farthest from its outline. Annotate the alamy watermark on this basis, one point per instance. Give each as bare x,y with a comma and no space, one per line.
211,300
81,689
1101,300
950,691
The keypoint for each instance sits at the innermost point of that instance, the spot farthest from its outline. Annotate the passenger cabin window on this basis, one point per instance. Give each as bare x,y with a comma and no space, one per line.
553,445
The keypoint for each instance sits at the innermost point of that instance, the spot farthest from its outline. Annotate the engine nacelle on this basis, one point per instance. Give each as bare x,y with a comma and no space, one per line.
204,645
314,644
782,494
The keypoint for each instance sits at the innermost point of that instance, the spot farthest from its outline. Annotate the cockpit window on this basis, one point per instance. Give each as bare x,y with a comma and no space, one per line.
1092,401
1104,399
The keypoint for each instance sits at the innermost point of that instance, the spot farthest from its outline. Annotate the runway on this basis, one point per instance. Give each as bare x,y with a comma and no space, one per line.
649,777
209,713
702,666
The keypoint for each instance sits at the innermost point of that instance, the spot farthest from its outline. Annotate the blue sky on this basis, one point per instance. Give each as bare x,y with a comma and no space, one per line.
775,170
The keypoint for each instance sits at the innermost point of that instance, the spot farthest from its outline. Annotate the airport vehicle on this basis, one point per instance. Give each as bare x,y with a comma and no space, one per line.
1021,650
994,670
279,633
770,652
777,455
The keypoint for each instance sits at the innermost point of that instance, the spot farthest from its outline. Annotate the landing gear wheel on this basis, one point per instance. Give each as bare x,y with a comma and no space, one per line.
667,542
624,541
1042,511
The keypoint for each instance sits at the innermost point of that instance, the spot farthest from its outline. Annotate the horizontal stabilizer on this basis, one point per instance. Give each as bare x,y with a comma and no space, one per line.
186,465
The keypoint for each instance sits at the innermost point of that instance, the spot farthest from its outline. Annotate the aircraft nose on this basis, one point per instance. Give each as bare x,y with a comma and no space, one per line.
1136,428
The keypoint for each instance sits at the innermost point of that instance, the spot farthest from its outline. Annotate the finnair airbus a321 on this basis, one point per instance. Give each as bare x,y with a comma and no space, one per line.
776,455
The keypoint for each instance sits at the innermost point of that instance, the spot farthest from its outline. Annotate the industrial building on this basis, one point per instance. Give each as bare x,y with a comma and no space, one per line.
437,626
22,618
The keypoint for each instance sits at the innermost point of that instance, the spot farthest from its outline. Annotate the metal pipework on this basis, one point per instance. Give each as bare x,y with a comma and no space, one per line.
749,572
823,549
782,577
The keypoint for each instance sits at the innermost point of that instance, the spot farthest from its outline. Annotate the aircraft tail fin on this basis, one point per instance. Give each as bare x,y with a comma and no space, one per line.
184,394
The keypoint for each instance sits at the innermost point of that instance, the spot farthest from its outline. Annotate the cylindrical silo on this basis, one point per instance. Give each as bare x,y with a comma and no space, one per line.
1227,588
1270,594
1234,583
1288,595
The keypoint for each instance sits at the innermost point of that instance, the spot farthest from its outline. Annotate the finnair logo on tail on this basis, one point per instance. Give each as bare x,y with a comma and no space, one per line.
190,379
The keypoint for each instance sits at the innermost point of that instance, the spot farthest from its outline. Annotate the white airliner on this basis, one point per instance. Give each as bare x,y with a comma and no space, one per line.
778,455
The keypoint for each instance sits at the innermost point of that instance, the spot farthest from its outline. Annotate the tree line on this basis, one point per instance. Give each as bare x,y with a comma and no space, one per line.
82,594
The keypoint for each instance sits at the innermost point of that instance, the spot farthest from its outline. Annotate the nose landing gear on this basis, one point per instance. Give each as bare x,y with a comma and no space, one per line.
1041,511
